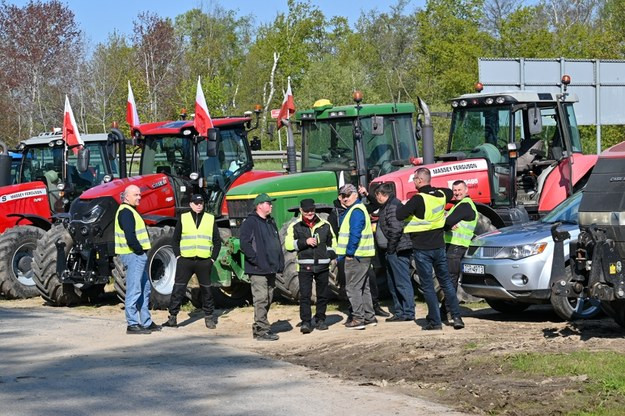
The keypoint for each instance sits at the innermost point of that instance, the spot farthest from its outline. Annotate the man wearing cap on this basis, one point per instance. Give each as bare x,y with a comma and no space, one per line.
260,243
424,214
131,244
356,245
313,240
196,244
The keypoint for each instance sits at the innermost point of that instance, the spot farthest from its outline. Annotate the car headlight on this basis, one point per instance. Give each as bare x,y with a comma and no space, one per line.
521,252
93,215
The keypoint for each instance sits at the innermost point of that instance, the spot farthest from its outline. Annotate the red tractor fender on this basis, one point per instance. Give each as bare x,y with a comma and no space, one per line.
246,177
31,198
554,190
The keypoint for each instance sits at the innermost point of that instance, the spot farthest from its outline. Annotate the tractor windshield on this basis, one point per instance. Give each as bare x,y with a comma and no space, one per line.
328,145
394,141
42,163
474,127
232,159
97,169
167,154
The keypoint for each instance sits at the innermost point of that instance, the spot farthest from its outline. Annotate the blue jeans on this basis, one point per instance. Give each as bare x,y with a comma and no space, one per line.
400,285
426,260
137,289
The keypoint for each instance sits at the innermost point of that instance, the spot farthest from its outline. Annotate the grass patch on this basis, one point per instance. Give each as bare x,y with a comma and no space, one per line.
601,376
470,346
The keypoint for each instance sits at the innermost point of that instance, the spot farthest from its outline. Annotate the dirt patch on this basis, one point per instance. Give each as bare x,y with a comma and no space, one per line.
467,369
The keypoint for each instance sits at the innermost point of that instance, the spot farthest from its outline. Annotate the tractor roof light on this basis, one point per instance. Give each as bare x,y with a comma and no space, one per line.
258,108
479,87
115,125
454,104
566,79
463,103
193,176
500,100
183,114
489,100
357,97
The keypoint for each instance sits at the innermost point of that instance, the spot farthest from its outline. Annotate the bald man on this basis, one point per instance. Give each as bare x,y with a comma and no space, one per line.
131,245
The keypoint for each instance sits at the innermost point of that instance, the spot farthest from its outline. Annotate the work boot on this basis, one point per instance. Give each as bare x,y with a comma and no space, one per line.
379,311
306,328
210,322
172,322
458,323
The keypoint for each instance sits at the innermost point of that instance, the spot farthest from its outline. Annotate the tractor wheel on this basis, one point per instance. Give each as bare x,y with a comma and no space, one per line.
16,255
161,268
507,306
615,309
575,307
44,269
484,224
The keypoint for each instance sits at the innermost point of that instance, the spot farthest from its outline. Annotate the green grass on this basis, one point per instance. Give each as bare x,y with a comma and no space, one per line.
604,388
470,346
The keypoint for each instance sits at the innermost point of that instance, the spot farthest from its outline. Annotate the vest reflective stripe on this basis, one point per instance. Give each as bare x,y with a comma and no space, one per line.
121,245
366,245
312,261
196,241
463,233
434,215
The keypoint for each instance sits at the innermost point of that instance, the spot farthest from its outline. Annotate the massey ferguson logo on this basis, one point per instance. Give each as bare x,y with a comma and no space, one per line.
22,195
461,167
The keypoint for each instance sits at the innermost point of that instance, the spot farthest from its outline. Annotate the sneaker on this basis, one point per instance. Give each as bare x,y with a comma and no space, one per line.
432,327
153,327
394,318
355,324
379,311
321,325
267,336
371,322
209,322
306,328
137,329
348,320
458,323
172,322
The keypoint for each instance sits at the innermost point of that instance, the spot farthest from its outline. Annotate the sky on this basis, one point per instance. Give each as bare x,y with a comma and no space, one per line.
98,18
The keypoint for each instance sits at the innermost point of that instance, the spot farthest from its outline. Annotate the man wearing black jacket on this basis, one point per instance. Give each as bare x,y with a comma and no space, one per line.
260,243
313,240
196,244
397,249
425,217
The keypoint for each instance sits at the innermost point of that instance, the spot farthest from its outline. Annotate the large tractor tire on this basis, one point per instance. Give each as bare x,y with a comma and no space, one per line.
574,307
161,268
17,246
46,278
616,310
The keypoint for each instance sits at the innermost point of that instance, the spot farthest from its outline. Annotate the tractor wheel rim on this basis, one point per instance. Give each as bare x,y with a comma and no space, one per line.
21,264
162,270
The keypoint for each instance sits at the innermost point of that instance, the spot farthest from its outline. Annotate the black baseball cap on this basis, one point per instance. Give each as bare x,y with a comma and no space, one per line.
197,199
307,204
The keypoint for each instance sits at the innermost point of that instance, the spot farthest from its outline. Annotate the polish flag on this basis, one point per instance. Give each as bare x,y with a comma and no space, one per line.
70,129
202,121
288,105
132,117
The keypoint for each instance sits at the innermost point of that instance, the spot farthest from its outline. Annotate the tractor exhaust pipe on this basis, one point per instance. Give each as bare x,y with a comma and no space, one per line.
291,155
427,132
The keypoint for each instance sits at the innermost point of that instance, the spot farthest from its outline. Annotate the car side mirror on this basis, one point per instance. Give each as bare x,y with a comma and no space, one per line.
82,163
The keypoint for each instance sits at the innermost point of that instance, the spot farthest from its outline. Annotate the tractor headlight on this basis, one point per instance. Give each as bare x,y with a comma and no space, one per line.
93,215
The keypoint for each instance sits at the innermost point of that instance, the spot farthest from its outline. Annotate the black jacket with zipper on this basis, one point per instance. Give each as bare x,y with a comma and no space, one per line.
260,243
392,228
313,259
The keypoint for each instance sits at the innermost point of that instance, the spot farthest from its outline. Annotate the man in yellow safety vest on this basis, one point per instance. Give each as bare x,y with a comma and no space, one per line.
131,244
196,244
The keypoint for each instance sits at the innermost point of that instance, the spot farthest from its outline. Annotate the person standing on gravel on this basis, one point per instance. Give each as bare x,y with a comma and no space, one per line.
357,247
196,245
425,217
131,244
313,240
260,243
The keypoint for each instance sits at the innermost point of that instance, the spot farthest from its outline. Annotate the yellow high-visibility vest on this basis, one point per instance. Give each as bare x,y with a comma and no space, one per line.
121,245
434,217
366,245
197,241
463,233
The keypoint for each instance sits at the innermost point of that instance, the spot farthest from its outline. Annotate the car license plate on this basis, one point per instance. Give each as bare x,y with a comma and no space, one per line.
473,268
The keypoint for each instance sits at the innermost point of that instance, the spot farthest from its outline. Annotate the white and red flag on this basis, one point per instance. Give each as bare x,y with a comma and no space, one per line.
288,105
202,121
70,129
132,117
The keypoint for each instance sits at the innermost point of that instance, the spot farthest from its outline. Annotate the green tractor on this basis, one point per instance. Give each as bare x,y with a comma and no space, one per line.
339,144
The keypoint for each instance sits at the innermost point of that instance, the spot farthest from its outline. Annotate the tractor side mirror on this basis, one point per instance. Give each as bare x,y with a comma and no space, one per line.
535,121
82,163
271,129
418,129
377,125
211,145
255,143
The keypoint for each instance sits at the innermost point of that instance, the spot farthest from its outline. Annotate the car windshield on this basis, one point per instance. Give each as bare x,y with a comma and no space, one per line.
566,211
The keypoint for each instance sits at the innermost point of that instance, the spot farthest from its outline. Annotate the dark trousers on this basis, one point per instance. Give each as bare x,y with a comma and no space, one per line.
305,292
185,268
262,295
454,258
400,284
373,284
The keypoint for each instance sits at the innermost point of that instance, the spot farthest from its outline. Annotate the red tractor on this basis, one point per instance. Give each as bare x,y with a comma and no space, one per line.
50,174
519,152
175,163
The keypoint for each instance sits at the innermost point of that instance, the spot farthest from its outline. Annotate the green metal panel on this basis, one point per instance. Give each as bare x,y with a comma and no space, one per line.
365,111
289,190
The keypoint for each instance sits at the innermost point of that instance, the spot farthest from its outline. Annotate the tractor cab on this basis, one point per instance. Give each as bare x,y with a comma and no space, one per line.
521,137
359,143
66,171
